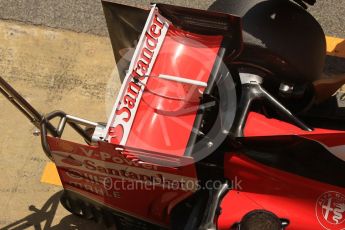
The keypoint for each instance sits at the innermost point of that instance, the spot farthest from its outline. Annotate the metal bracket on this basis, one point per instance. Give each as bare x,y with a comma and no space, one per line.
251,92
98,134
212,211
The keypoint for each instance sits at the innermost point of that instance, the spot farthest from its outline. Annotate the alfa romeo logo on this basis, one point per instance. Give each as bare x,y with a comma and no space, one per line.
330,208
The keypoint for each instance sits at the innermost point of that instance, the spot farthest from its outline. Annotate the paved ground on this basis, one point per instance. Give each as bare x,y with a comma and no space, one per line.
87,16
53,70
70,70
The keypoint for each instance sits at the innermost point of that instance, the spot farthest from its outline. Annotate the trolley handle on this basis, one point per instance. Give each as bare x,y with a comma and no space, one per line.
20,103
74,122
43,122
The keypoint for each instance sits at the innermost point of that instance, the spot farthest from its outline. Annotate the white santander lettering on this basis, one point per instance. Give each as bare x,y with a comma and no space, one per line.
142,63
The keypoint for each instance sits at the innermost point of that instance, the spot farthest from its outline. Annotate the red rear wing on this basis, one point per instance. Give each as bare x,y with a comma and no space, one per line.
175,62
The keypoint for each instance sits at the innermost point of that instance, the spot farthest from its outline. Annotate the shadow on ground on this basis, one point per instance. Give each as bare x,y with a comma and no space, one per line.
43,218
336,64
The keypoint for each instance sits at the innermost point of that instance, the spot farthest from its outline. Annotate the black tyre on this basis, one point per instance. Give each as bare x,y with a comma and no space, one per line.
279,37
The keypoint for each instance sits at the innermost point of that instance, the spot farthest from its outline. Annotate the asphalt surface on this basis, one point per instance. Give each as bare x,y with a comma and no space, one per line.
87,15
53,69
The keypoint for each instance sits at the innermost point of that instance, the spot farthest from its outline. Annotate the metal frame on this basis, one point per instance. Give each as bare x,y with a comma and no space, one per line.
20,103
213,207
43,122
252,91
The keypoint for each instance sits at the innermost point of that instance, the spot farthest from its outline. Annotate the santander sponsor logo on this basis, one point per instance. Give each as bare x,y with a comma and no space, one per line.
148,51
128,100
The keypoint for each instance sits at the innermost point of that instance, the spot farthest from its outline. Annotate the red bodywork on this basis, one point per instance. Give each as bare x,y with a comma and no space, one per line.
118,180
155,125
289,196
159,136
156,114
162,138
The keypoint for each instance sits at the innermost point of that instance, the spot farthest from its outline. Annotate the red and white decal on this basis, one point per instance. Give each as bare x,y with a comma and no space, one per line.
330,208
130,94
114,179
116,168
